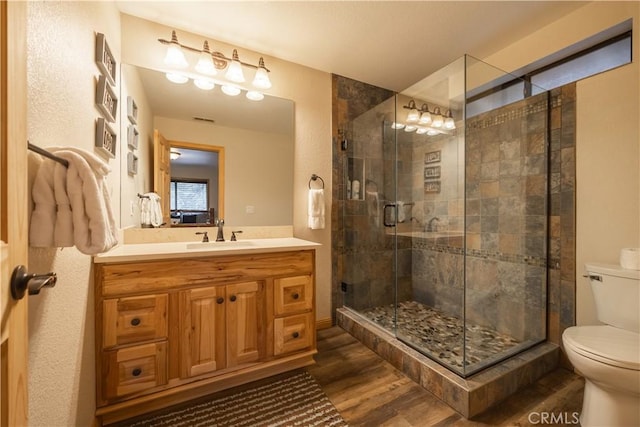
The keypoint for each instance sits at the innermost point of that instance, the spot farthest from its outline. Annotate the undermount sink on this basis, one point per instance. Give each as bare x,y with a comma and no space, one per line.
227,244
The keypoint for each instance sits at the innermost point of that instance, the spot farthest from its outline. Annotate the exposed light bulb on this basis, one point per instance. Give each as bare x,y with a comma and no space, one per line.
437,119
175,57
204,84
254,95
261,79
205,62
177,78
449,123
230,90
234,72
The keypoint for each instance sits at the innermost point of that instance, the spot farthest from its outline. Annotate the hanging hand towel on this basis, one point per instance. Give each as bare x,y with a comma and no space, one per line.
151,210
63,232
43,217
316,209
94,228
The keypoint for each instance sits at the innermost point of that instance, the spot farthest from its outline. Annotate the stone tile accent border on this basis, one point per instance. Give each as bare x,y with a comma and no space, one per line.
467,396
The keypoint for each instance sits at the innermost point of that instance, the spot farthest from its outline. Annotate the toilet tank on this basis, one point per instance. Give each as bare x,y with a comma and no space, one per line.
617,295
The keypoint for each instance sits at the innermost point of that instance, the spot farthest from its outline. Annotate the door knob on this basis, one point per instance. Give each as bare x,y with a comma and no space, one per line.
22,282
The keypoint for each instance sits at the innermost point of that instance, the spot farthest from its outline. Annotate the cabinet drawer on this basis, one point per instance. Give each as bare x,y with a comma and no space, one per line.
134,369
293,333
293,295
134,319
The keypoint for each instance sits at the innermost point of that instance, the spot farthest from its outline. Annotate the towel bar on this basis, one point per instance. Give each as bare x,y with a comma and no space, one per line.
315,177
47,154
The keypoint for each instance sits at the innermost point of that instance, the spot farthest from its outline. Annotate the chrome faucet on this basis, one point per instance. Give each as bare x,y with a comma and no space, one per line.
431,226
220,224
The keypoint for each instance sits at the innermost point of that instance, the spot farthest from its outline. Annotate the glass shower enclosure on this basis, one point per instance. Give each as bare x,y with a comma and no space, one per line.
445,216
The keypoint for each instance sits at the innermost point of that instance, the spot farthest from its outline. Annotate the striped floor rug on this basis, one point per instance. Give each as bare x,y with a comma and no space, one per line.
294,400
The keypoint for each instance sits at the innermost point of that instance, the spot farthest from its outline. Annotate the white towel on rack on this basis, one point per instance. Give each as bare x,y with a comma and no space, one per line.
43,217
151,210
316,208
63,231
94,229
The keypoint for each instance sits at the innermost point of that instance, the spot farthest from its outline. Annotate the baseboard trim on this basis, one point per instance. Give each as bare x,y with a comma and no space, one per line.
325,323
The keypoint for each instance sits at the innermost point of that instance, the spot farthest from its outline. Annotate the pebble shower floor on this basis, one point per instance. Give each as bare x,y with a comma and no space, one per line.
440,336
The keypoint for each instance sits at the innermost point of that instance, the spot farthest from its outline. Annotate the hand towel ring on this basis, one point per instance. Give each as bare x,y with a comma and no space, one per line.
315,177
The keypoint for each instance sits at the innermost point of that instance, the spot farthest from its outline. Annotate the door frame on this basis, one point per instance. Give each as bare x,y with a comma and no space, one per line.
14,224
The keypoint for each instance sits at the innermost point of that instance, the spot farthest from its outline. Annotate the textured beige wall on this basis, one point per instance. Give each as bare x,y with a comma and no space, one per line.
61,111
607,140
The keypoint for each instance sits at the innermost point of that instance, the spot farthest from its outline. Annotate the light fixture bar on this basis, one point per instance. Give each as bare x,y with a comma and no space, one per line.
215,55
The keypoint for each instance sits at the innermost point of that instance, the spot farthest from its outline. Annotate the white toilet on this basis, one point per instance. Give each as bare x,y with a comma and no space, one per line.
608,356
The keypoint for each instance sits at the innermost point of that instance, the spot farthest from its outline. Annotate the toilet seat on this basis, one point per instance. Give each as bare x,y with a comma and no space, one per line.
606,344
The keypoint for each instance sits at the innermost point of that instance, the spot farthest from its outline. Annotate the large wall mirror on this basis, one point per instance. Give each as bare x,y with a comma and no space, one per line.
250,185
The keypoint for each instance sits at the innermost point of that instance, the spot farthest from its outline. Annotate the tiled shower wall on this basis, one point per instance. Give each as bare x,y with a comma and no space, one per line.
351,100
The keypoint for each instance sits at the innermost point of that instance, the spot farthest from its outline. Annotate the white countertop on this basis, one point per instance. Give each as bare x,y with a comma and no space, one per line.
173,250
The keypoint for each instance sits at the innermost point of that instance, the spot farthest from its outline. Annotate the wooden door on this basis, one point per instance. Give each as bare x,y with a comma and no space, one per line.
245,323
13,212
202,331
162,174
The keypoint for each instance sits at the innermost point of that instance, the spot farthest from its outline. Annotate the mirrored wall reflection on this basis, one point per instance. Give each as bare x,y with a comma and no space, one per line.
257,138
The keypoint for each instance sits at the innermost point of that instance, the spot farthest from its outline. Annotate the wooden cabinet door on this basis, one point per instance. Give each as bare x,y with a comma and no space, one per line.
202,331
245,323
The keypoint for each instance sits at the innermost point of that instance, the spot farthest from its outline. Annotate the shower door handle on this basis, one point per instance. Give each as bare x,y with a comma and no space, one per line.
384,215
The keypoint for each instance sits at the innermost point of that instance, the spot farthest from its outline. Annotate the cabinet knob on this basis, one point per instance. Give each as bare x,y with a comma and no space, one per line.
233,298
135,321
220,300
296,334
295,296
136,372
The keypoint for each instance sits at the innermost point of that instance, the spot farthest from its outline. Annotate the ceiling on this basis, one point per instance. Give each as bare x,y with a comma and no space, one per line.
390,44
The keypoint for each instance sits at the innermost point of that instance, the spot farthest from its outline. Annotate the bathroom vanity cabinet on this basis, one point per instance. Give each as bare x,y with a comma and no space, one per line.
171,330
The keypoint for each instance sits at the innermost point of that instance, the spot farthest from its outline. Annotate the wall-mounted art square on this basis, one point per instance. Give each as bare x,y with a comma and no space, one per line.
104,58
132,164
432,172
432,187
105,138
132,136
132,110
432,157
106,99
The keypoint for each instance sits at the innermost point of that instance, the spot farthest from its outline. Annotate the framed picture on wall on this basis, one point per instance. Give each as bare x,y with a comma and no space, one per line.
105,138
132,110
104,59
432,157
432,172
431,187
132,136
106,99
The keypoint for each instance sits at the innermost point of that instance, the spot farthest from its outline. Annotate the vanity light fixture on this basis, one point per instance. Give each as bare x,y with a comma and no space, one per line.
426,121
174,154
209,63
234,71
254,95
230,90
205,63
175,56
204,84
177,78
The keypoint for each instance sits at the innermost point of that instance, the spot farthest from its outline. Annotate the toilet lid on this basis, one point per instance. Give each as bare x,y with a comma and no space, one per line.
606,344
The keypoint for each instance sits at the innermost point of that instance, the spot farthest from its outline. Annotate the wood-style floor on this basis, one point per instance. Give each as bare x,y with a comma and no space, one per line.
368,391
